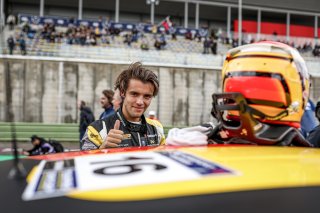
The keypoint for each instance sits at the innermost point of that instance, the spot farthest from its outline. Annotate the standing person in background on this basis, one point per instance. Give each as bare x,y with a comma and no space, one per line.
206,45
314,134
214,45
11,21
11,44
106,103
22,44
308,120
86,118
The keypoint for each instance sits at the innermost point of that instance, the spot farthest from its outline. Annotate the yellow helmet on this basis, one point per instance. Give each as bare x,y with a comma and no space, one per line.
273,79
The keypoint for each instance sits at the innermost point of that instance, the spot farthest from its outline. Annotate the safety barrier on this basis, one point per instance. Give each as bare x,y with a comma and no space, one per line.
24,130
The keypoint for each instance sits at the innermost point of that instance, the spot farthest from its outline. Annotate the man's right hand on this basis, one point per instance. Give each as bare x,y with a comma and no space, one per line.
114,137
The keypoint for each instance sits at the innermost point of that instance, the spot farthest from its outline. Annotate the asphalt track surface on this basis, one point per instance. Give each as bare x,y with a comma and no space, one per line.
276,200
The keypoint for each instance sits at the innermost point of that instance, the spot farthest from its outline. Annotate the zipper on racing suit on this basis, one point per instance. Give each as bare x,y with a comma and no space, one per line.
139,139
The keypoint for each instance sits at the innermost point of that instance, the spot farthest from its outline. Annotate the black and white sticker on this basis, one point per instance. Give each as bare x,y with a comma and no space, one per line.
93,172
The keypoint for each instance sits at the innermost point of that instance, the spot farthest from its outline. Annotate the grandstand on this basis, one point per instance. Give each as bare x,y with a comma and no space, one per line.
179,50
209,15
270,20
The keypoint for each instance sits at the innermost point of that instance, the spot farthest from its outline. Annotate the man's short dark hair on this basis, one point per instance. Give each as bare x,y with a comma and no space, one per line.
138,72
34,137
82,103
109,94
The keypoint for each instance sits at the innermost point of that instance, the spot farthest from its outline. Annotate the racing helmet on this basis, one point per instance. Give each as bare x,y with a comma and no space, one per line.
273,79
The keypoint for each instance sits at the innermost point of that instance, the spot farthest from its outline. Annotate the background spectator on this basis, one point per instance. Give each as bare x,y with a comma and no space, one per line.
308,120
206,45
106,103
316,50
11,21
214,45
86,118
11,44
152,115
22,44
144,44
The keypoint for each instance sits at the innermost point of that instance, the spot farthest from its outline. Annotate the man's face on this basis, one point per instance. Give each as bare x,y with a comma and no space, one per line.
137,99
104,101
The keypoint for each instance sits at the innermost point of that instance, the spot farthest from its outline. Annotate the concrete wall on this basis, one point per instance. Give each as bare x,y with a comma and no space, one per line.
48,91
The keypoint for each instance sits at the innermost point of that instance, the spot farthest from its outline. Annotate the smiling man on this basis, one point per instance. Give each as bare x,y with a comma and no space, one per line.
128,126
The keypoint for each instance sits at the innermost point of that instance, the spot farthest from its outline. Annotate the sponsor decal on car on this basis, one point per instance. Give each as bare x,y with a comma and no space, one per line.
116,171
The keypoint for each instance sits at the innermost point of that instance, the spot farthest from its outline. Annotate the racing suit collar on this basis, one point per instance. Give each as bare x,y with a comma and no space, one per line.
142,128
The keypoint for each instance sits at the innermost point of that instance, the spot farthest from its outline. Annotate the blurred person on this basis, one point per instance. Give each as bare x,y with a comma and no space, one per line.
206,45
157,44
144,44
128,126
100,20
11,44
106,103
154,31
26,27
128,38
163,39
309,120
11,21
97,32
173,36
152,115
105,39
86,117
188,35
40,146
316,50
317,110
72,21
22,44
135,35
314,134
106,23
214,45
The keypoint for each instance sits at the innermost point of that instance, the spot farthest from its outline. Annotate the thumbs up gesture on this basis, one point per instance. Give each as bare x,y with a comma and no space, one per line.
114,137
